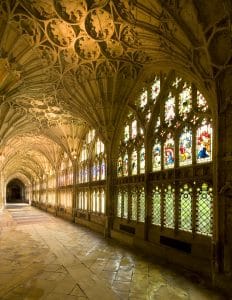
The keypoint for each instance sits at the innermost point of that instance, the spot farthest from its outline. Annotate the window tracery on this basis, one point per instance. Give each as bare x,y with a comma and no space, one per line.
180,197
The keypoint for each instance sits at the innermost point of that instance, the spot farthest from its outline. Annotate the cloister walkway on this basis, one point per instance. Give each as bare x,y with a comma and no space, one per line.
44,257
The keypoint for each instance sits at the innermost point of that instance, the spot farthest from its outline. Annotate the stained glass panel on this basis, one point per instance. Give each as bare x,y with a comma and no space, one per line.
134,162
134,129
142,160
204,209
185,147
169,110
185,215
103,169
204,143
156,206
125,165
155,89
169,207
169,151
126,133
156,156
185,102
119,167
134,211
201,102
143,99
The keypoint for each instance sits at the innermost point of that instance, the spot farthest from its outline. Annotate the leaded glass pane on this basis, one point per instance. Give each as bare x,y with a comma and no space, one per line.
134,162
125,205
119,205
141,217
155,89
134,129
204,209
102,201
185,147
156,206
119,167
98,200
156,156
204,143
134,206
169,207
185,102
185,214
169,109
169,150
103,169
143,99
157,125
97,170
125,165
201,102
142,160
126,133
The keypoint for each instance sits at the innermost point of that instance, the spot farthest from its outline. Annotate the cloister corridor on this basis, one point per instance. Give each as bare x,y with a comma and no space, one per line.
45,257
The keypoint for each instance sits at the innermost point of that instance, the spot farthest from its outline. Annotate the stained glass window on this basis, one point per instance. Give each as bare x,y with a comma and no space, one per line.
143,99
185,214
103,169
142,160
169,196
204,209
204,143
169,152
126,133
119,166
134,211
169,109
185,102
134,129
156,206
134,162
185,147
125,165
201,102
155,89
156,156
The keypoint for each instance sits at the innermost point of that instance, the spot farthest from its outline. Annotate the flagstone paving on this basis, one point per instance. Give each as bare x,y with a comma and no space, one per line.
44,257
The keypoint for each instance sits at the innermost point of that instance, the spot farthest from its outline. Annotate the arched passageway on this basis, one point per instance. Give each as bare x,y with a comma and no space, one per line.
15,192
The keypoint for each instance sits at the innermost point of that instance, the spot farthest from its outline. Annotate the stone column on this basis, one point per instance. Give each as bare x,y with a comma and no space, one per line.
2,201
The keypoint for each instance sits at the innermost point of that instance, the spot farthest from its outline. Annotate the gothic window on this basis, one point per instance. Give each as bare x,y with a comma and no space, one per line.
99,165
168,136
185,147
156,206
204,142
169,200
185,212
156,156
131,158
204,209
169,151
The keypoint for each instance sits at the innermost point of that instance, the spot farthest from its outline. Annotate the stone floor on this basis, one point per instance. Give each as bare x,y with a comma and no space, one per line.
43,257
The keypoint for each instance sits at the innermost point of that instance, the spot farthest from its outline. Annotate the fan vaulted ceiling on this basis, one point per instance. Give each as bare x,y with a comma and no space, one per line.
68,65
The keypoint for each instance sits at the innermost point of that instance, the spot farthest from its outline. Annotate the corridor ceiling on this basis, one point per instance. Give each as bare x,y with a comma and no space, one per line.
68,65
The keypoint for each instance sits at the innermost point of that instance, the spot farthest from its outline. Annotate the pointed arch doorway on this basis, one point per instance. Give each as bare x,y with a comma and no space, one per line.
15,191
